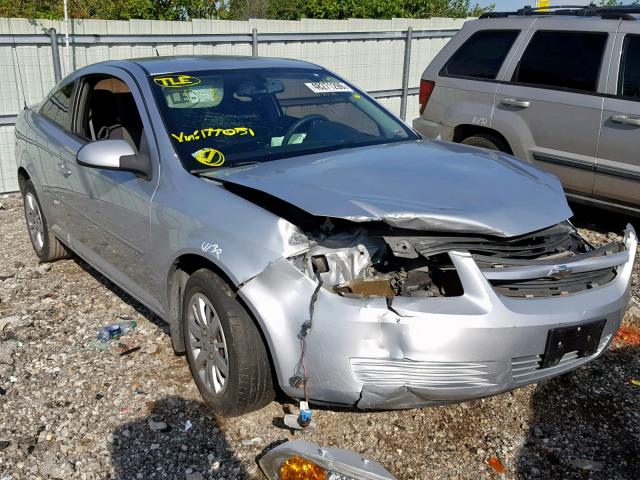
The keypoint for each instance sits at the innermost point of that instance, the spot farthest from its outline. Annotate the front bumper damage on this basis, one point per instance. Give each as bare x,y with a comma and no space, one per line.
430,351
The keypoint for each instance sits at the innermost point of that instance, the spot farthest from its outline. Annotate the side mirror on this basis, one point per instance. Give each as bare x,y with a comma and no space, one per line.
114,155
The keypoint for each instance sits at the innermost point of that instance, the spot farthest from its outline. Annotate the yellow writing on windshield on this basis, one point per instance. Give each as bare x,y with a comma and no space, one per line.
176,81
212,132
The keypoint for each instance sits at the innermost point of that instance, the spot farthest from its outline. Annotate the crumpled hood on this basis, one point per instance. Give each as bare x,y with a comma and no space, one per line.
420,185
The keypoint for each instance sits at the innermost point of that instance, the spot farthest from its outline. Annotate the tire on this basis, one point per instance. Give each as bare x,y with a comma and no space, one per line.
488,141
230,367
47,247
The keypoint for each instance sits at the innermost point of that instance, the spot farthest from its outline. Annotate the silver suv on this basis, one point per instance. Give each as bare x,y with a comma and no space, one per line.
558,88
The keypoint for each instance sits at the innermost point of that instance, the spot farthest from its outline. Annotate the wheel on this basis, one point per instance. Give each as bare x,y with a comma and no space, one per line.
487,140
47,247
226,354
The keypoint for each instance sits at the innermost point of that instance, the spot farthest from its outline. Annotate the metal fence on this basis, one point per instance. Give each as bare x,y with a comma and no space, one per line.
374,59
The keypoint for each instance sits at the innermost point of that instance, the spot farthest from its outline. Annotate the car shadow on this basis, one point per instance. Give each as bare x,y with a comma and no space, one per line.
178,439
601,220
122,295
585,424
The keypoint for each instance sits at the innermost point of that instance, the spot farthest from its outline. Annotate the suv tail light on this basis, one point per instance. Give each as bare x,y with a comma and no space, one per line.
426,88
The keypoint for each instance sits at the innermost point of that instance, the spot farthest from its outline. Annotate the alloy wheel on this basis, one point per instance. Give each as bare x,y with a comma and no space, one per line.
34,221
208,344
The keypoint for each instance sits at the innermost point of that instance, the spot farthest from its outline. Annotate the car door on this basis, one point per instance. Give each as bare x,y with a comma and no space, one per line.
618,170
112,207
551,105
54,147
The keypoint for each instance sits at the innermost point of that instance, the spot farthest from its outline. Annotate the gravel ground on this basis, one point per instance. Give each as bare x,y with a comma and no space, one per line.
72,409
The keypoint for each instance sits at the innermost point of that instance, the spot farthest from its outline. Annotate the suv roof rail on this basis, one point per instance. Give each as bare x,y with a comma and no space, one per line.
611,13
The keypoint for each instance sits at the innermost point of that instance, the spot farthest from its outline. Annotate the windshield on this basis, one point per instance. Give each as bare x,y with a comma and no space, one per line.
228,118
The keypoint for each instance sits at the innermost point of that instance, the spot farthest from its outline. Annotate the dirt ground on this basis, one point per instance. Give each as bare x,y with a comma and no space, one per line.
71,408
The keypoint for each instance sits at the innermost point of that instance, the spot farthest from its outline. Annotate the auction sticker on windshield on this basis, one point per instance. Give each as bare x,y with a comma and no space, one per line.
176,81
210,157
328,87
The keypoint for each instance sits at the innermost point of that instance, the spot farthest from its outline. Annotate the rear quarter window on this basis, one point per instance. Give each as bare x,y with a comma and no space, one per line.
562,60
57,107
481,56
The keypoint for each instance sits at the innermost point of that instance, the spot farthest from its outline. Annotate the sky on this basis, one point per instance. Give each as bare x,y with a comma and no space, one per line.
510,5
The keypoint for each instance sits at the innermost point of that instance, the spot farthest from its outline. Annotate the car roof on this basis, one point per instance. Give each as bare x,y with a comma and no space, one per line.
194,63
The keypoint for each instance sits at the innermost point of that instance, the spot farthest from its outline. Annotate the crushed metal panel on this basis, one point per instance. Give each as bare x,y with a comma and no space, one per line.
417,185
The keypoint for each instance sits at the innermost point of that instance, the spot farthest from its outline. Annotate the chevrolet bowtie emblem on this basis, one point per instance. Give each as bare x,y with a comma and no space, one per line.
560,271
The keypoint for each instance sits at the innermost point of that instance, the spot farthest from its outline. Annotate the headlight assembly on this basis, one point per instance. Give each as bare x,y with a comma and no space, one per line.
301,460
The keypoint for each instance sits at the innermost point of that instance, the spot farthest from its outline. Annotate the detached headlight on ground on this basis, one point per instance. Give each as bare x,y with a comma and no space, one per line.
301,460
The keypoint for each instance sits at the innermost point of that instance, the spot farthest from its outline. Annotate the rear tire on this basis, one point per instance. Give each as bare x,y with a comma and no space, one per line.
44,242
488,141
226,353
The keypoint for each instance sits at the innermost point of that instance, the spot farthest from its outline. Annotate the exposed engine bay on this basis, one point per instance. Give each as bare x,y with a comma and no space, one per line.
361,262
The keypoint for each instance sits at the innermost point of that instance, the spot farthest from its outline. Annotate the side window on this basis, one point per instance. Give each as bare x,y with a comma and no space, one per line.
482,55
564,60
57,108
629,82
109,111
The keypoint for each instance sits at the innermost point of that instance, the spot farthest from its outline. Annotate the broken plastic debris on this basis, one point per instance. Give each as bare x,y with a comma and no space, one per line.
158,426
188,425
635,382
291,421
304,418
253,441
496,465
585,464
116,330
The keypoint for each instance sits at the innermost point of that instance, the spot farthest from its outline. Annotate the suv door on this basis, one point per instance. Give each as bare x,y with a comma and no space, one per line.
618,170
549,111
112,207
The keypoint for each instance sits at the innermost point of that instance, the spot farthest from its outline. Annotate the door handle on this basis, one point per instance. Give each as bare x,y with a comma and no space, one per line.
626,120
516,102
64,169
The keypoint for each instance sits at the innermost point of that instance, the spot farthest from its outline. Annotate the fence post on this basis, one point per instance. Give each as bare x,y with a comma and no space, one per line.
254,42
405,73
55,54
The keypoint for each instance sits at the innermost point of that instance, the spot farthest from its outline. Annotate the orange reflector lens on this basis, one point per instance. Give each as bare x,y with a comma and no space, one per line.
298,468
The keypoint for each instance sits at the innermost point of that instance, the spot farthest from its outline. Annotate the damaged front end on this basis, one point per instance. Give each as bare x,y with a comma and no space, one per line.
361,263
398,318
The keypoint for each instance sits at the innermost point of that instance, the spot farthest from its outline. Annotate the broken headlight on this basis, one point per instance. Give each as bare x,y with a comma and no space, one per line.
301,460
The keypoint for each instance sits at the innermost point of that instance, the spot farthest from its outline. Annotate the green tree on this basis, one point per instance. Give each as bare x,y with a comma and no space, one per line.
114,9
341,9
238,9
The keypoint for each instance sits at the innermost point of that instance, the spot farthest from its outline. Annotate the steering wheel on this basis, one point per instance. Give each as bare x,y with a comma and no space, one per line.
314,117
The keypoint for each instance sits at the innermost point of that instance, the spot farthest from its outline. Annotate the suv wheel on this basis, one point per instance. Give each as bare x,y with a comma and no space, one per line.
488,141
226,354
47,247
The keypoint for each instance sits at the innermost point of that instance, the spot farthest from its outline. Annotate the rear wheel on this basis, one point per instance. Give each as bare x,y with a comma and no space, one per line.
226,354
488,141
47,247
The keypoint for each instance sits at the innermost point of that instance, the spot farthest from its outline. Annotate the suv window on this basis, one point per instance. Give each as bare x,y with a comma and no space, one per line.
58,106
564,60
482,55
629,83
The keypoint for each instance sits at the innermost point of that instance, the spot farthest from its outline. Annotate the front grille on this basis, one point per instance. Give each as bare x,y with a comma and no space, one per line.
421,374
559,240
528,369
549,287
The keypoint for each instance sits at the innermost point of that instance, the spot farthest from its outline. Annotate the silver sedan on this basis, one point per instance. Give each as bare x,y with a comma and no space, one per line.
296,235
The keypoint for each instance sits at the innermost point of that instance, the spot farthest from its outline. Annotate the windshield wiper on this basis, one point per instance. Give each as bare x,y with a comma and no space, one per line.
198,171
